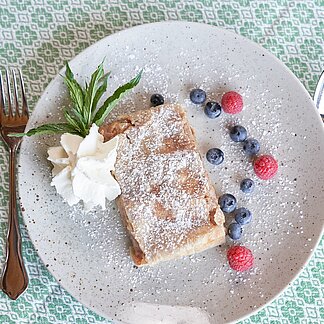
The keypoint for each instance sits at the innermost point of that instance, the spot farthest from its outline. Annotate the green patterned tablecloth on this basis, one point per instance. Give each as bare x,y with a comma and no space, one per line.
39,35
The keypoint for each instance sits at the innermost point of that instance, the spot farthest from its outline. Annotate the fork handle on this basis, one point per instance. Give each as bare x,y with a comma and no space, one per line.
14,277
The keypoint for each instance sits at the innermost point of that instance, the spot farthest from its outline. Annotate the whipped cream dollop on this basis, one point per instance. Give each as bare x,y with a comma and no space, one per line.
82,168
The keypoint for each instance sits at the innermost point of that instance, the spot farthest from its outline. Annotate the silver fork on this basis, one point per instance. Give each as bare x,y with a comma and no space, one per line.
319,95
13,119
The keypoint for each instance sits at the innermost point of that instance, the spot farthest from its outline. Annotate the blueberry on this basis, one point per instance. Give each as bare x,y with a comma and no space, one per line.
247,185
238,133
251,146
213,109
197,96
227,203
215,156
242,216
157,100
235,231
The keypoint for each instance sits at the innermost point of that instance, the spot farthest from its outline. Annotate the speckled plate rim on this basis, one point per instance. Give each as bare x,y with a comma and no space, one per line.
312,251
250,44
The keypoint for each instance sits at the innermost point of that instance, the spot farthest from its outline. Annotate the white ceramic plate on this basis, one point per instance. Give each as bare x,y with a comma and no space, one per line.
88,253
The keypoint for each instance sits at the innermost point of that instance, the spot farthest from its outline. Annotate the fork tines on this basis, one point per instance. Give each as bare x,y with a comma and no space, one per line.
9,101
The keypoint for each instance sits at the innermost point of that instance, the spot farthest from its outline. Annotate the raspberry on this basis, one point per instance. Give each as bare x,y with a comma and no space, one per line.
232,102
240,258
265,167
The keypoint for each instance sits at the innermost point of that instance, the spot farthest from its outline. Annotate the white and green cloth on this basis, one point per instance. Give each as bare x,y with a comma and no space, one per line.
40,35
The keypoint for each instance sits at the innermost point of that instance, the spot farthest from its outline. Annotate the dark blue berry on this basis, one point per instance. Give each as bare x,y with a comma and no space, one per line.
197,96
227,203
213,109
247,185
251,146
238,133
215,156
157,100
235,231
242,216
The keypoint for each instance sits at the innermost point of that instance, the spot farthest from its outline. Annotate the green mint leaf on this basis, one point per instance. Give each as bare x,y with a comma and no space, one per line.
79,117
49,129
100,91
76,93
91,93
68,73
111,102
72,121
75,90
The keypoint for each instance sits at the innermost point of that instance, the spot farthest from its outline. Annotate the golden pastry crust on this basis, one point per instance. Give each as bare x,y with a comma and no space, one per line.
168,203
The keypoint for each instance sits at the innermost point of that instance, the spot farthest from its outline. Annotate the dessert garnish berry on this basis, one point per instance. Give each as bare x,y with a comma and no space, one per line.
235,231
247,185
238,133
213,109
227,203
215,156
197,96
157,100
240,258
242,216
265,167
251,146
232,102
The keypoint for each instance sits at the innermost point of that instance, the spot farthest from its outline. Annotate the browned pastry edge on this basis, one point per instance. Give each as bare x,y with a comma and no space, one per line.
136,252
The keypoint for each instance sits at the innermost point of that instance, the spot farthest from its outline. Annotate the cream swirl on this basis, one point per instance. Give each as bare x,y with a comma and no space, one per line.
83,169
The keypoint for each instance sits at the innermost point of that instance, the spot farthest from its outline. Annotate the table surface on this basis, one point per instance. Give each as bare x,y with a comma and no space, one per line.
40,35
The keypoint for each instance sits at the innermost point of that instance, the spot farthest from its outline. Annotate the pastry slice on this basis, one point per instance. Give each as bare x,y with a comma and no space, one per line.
167,201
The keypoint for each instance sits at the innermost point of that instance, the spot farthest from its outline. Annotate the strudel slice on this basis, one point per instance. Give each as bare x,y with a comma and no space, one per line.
168,203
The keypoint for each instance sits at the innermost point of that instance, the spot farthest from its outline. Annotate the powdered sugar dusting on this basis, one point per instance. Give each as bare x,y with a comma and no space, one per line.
163,182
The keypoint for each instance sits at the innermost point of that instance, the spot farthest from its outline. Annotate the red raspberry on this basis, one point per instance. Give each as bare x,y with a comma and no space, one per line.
240,258
232,102
265,167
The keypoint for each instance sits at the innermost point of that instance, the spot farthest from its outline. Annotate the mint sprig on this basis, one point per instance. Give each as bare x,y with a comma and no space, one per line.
102,113
49,129
84,111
